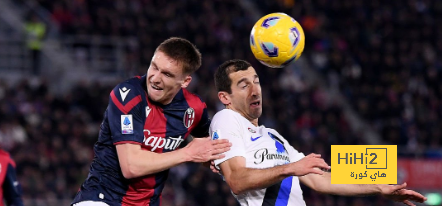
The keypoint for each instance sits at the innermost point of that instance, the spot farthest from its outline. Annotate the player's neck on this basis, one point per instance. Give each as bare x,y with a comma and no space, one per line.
254,122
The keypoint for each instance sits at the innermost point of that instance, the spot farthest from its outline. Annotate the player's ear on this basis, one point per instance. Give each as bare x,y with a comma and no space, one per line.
186,81
224,97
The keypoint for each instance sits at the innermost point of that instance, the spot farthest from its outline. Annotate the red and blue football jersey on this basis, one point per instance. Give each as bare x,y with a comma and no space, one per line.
132,118
10,189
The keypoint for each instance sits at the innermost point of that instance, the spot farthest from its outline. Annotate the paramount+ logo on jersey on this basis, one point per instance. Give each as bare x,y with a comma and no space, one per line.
364,164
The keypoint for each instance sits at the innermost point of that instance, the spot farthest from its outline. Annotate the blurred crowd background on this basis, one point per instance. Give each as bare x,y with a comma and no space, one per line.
378,57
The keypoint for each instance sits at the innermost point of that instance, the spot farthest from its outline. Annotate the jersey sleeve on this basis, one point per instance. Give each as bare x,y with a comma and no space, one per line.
202,129
294,154
126,115
226,126
11,188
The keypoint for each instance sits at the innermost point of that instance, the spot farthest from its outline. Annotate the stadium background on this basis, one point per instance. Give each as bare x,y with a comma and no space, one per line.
370,74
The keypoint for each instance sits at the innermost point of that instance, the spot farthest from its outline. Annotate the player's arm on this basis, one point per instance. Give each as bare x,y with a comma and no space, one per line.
12,188
242,179
322,183
136,162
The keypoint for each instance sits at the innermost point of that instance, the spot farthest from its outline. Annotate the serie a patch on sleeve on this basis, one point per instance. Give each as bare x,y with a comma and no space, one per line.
215,135
127,126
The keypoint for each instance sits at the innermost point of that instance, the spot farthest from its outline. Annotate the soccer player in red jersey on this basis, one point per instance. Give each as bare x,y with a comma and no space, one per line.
10,189
147,119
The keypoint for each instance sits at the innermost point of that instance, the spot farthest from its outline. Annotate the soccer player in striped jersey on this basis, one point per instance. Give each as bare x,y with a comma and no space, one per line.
10,189
261,167
147,119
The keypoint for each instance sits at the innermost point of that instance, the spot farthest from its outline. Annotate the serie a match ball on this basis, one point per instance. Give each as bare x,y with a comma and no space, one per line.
276,40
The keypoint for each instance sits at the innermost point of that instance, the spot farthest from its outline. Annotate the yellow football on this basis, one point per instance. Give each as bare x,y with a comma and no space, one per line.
276,40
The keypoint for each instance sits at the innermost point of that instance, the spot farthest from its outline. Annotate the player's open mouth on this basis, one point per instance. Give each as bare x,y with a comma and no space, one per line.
255,103
155,87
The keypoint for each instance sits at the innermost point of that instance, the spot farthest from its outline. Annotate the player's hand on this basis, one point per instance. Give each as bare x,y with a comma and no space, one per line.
212,167
206,149
310,164
398,193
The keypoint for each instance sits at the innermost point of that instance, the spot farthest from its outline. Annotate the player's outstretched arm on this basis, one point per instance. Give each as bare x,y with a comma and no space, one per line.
136,162
398,193
322,183
242,179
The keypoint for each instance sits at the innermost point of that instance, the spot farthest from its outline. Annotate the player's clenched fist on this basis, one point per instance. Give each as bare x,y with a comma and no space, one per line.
309,164
206,149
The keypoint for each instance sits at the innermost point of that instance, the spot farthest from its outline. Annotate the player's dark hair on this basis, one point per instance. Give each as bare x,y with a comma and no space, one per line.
183,51
222,80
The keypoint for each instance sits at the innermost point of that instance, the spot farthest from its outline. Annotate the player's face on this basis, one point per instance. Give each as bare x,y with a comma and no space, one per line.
246,94
165,78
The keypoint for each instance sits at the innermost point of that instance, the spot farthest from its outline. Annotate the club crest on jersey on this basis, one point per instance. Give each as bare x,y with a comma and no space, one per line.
127,124
189,117
251,130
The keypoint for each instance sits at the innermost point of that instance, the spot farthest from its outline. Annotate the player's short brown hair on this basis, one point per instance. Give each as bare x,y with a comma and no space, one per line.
183,51
222,80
